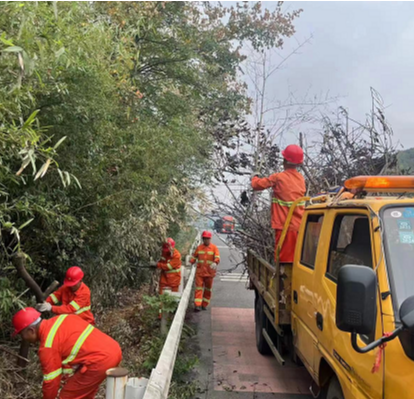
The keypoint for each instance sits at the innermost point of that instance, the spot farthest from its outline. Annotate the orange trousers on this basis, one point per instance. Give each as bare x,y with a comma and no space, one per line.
85,384
287,252
203,290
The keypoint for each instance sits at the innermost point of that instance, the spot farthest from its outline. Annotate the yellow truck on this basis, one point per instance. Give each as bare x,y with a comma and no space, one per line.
345,307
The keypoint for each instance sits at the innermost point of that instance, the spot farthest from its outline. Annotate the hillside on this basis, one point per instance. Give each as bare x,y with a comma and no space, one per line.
406,159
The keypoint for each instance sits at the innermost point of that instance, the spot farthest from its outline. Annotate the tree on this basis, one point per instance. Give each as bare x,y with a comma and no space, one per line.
127,93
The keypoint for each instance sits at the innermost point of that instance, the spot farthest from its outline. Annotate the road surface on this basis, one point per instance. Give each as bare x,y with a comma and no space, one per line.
229,364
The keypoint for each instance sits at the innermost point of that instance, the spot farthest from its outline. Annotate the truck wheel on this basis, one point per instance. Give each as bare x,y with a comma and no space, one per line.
261,323
334,389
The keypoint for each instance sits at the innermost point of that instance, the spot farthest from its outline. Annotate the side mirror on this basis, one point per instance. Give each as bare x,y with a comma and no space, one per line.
356,300
407,314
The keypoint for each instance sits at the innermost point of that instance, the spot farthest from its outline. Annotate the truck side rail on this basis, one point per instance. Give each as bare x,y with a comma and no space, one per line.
260,273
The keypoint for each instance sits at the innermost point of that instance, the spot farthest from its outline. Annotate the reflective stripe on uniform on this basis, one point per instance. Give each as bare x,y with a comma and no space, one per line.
54,299
201,252
206,300
217,257
209,262
75,305
51,376
198,288
53,331
200,261
81,310
210,253
208,289
169,266
68,371
162,258
80,341
198,300
173,271
286,203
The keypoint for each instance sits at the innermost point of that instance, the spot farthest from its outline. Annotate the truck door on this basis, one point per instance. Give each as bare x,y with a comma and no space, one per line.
303,306
350,238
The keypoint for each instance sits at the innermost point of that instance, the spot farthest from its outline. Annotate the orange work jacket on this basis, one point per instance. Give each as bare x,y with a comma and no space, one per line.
66,343
288,186
171,269
78,302
205,256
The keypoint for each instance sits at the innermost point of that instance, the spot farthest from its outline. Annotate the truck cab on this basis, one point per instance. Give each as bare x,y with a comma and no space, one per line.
349,294
228,225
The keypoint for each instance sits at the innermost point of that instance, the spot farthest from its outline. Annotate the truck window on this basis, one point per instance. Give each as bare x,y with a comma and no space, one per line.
311,239
350,243
399,246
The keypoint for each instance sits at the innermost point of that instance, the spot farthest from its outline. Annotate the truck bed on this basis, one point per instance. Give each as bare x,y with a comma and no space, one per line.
276,294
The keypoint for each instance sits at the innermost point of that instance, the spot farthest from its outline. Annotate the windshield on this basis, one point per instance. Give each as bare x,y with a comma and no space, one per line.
399,247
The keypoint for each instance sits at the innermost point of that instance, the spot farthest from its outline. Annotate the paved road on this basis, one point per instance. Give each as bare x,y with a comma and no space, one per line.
230,366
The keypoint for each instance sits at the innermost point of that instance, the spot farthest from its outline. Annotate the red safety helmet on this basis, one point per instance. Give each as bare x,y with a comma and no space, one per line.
293,154
73,276
168,244
23,318
171,242
206,234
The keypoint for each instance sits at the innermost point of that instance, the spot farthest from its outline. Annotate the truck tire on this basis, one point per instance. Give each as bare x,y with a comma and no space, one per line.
261,323
334,389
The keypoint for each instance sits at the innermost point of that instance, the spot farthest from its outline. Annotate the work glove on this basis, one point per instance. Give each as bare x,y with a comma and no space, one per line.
153,264
44,307
214,266
254,174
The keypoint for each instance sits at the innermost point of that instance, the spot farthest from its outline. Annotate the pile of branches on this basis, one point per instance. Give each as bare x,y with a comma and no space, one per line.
341,148
346,147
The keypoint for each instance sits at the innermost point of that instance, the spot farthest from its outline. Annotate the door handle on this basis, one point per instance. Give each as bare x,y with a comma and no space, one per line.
295,297
319,321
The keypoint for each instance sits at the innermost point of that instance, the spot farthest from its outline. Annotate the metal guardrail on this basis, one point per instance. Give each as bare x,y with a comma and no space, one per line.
119,386
159,382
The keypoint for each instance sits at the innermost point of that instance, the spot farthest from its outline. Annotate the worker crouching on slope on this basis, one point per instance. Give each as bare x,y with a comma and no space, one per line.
170,264
68,346
74,297
207,257
287,186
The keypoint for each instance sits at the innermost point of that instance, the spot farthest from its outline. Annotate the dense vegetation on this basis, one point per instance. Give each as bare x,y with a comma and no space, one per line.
406,160
106,114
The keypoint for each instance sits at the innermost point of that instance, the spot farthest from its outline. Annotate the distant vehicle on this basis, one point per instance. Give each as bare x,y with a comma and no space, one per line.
228,225
218,225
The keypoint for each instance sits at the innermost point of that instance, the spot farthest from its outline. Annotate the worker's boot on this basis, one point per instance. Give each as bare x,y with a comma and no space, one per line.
197,309
204,308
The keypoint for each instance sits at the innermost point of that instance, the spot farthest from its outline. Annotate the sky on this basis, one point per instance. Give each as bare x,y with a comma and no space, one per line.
355,46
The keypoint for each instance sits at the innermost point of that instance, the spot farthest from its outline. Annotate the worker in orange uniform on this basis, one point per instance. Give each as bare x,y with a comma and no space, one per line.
68,346
348,194
287,186
170,265
207,257
74,296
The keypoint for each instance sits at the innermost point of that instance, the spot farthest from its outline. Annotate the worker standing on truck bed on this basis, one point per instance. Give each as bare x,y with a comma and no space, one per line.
170,264
208,257
73,297
69,346
288,186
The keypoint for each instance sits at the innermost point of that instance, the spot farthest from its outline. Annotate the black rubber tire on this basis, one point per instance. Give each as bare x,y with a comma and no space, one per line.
261,323
334,389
